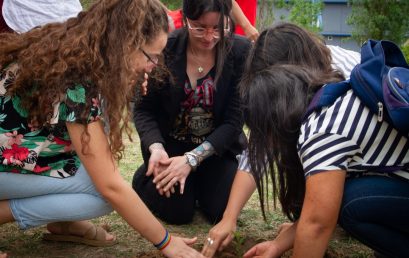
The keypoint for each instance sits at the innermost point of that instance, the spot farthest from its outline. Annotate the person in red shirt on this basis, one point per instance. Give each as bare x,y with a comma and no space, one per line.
245,12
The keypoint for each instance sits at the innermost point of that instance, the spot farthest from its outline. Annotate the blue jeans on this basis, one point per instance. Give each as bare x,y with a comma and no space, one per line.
37,200
375,210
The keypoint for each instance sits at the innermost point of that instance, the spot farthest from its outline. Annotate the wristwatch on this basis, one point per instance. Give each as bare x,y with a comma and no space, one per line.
192,160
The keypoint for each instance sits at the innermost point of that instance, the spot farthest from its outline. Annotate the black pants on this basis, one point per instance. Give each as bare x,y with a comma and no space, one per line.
209,185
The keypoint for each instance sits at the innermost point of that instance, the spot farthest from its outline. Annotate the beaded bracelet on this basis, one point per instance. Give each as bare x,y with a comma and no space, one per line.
165,242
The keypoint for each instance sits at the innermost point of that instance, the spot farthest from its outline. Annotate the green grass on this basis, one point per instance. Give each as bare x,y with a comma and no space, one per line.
251,229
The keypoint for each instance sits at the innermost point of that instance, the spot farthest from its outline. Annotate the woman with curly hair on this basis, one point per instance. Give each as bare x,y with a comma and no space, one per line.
65,90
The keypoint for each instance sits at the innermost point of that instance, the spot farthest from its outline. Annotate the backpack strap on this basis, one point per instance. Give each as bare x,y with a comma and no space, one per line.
327,95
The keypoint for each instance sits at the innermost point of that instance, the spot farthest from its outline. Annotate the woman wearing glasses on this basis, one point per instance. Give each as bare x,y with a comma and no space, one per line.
61,85
191,126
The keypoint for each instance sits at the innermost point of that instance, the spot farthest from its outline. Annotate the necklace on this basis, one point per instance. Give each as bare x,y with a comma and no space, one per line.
199,68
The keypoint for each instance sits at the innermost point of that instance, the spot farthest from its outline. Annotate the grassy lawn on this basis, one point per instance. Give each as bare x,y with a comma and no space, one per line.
251,229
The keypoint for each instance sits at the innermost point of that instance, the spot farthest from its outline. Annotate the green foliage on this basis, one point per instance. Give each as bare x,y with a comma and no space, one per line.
265,15
302,12
172,4
379,19
86,3
405,50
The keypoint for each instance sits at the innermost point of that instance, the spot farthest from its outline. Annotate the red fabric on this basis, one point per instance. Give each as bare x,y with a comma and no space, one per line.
176,19
249,8
3,24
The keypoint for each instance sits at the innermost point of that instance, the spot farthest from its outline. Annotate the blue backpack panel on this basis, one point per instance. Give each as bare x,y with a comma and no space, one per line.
381,81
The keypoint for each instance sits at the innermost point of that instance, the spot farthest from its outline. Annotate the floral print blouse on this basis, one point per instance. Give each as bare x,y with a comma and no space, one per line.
46,151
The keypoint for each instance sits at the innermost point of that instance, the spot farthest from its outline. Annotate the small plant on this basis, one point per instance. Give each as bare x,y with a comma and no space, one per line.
238,242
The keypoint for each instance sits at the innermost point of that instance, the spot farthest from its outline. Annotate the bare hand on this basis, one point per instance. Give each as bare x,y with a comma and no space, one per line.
176,172
284,227
222,235
251,33
155,168
283,242
266,249
144,85
179,247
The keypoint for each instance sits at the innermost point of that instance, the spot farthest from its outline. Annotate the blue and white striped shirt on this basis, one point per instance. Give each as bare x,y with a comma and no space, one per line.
347,136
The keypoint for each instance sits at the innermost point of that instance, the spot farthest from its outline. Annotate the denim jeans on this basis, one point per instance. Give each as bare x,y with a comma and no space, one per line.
375,210
36,200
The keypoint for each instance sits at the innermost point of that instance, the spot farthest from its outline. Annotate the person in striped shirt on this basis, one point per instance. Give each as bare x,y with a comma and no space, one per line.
325,166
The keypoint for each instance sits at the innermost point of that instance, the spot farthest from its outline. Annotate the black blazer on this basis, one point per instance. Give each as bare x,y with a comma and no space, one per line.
155,114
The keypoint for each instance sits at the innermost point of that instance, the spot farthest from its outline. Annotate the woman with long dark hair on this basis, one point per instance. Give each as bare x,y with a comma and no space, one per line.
65,90
285,68
325,168
190,126
282,44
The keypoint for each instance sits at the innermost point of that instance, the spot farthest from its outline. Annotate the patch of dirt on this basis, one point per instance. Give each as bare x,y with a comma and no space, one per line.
153,254
236,249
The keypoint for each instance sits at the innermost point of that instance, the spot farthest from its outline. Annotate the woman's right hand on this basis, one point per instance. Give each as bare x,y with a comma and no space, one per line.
267,249
222,235
154,166
282,243
179,247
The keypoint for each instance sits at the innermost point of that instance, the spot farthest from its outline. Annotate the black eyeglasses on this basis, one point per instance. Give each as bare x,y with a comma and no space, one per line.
153,60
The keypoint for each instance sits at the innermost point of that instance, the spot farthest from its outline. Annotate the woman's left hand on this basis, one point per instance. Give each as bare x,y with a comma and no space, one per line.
177,171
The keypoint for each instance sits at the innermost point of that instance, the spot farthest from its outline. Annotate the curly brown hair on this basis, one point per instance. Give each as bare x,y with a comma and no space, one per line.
93,47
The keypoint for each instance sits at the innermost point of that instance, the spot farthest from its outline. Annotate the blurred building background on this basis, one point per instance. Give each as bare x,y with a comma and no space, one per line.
332,22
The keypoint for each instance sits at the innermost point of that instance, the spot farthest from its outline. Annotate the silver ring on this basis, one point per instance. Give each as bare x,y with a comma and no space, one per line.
210,241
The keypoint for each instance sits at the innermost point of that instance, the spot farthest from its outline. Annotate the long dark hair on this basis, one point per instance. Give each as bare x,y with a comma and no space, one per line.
285,68
93,47
193,9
